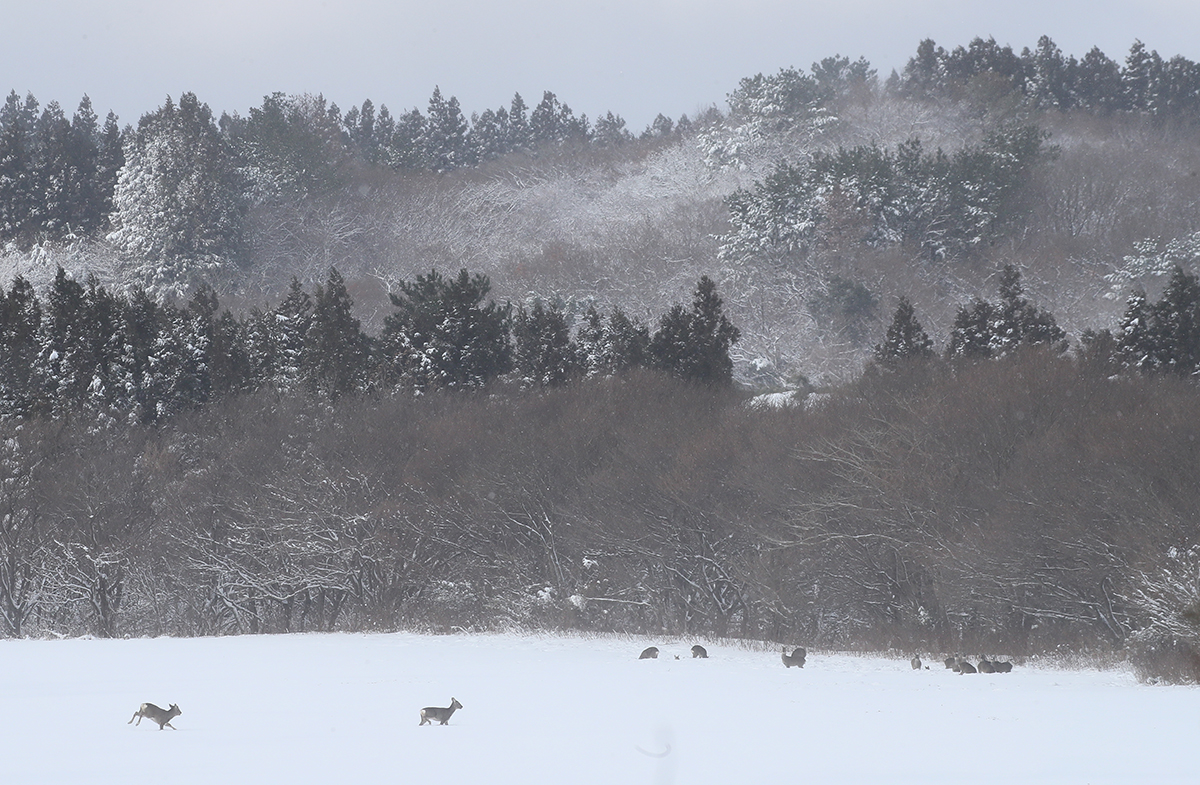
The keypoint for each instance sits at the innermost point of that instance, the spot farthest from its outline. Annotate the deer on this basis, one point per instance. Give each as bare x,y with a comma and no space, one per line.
430,713
161,716
986,665
965,667
650,653
796,658
699,651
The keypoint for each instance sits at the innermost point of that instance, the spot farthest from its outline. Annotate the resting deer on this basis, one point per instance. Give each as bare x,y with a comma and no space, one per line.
649,654
699,651
161,716
965,667
986,665
796,658
430,713
915,662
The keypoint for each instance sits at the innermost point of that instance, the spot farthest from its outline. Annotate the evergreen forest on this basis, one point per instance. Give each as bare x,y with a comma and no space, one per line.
904,362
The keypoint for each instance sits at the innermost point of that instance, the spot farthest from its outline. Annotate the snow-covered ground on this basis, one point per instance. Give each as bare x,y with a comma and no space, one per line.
344,709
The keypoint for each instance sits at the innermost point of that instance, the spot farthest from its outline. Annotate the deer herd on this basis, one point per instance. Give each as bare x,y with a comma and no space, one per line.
441,716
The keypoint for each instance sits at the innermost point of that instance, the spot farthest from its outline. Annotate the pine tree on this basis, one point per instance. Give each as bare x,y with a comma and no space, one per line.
179,377
1098,82
64,344
109,163
445,140
626,343
971,333
180,209
53,173
609,131
590,343
906,339
694,344
336,350
406,149
543,354
20,325
1019,322
87,214
441,336
520,136
144,322
286,334
292,147
983,329
18,185
1164,337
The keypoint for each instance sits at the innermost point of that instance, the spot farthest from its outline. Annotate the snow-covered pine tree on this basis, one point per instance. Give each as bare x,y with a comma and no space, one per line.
54,173
180,206
18,196
282,357
406,148
442,336
1164,337
445,140
88,214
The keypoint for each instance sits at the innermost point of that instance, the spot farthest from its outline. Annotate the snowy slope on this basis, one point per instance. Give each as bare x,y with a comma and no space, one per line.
344,708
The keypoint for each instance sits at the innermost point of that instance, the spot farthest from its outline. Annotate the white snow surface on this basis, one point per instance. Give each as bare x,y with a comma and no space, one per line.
343,708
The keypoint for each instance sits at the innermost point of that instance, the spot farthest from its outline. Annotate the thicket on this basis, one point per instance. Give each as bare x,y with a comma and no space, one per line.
1019,505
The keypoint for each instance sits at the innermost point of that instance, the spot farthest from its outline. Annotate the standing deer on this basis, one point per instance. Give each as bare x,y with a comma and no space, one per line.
161,716
796,658
430,713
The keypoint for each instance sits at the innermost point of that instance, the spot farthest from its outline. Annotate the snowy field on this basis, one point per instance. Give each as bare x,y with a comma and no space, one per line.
344,709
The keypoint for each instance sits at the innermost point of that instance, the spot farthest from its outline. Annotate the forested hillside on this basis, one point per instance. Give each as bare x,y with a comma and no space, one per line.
315,368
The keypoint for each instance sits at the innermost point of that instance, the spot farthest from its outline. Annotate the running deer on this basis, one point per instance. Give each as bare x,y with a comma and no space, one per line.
443,716
161,716
796,658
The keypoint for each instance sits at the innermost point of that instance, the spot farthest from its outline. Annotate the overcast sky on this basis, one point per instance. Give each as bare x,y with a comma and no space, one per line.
636,58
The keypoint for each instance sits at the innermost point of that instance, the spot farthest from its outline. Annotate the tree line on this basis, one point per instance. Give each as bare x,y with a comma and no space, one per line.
190,177
1146,82
131,357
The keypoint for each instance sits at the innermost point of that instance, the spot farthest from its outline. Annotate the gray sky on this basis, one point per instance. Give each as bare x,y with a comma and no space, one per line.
635,58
